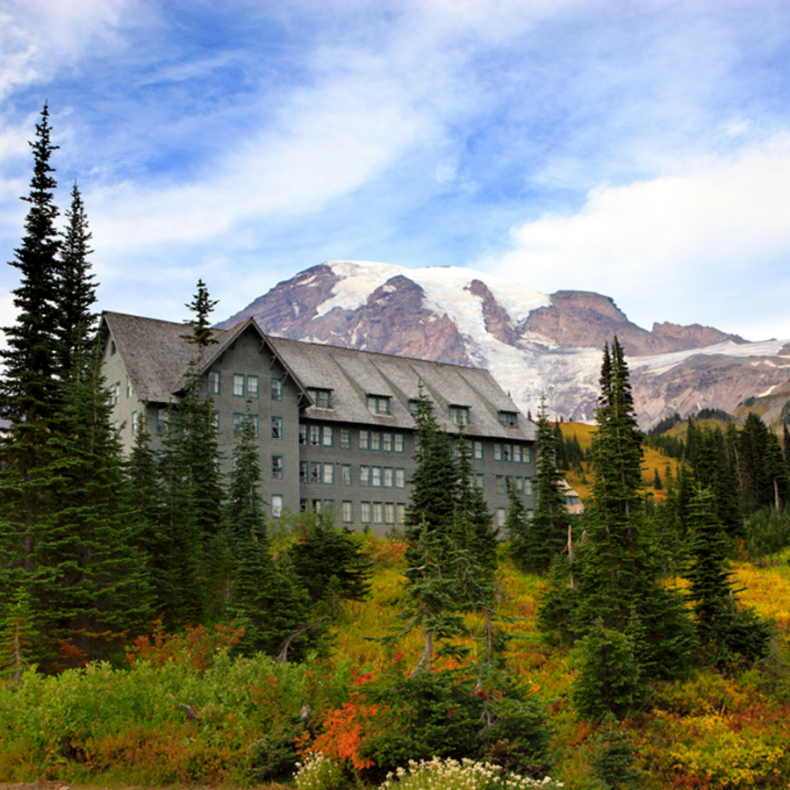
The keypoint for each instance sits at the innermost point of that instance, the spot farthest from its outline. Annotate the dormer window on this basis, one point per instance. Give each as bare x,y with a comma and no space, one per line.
459,415
322,398
379,404
508,419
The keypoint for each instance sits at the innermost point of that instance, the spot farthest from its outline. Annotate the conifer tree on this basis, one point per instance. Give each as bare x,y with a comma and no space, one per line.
76,316
724,630
264,600
547,532
29,389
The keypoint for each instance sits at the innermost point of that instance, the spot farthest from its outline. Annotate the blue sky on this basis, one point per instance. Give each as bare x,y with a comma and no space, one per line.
638,149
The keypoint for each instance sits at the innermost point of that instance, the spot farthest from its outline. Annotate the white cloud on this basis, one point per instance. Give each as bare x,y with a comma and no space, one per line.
38,37
694,240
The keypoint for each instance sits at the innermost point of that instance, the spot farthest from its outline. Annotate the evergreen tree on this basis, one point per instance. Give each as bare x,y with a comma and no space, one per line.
723,629
89,587
265,601
547,533
617,584
76,316
191,477
30,387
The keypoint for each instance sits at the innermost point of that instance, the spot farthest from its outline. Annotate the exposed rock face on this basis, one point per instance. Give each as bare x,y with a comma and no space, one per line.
532,344
693,336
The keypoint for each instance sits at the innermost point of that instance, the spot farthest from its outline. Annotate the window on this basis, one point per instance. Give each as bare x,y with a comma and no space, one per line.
386,442
303,471
315,472
364,508
112,348
508,484
321,398
497,452
128,388
348,512
277,389
345,474
528,486
252,386
389,478
277,467
328,506
329,437
277,427
315,435
238,384
459,415
477,450
501,516
238,422
113,393
364,475
480,482
375,440
364,442
213,382
375,476
345,439
302,434
378,513
379,404
500,484
527,455
161,420
509,419
400,513
329,474
414,406
517,453
134,423
389,513
398,442
507,452
277,505
303,503
316,506
215,413
400,478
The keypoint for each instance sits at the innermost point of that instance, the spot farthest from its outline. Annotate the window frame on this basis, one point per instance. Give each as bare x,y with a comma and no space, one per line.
214,385
256,388
278,468
277,388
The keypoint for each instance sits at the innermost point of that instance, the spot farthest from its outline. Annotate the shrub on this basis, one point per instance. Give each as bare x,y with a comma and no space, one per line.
450,774
319,772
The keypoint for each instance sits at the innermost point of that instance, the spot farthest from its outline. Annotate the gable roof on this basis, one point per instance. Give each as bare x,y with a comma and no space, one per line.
157,357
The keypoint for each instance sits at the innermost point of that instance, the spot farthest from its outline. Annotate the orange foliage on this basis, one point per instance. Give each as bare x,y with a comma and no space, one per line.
197,647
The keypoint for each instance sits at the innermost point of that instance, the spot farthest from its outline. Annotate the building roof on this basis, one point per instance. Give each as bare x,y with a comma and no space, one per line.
157,357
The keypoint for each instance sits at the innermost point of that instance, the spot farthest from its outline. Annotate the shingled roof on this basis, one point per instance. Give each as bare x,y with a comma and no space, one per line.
157,357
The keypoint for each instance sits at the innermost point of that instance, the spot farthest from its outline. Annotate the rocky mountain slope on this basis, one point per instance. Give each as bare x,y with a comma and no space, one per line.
532,343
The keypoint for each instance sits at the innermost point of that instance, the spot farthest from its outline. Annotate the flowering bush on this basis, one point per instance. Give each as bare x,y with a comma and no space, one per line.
438,774
318,772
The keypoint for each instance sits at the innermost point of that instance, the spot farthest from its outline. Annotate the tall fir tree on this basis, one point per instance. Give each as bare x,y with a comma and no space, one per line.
548,531
76,318
30,387
264,600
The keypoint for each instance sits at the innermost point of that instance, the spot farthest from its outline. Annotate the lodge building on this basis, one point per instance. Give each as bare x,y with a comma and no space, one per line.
335,426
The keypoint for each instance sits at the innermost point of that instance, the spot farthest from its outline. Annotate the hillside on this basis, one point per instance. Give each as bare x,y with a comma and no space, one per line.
532,343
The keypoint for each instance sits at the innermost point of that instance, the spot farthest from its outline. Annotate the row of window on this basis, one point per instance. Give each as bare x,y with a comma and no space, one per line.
512,452
317,473
522,485
244,385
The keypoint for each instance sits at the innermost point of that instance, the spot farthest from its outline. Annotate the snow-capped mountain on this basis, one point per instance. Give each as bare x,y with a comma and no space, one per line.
532,343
